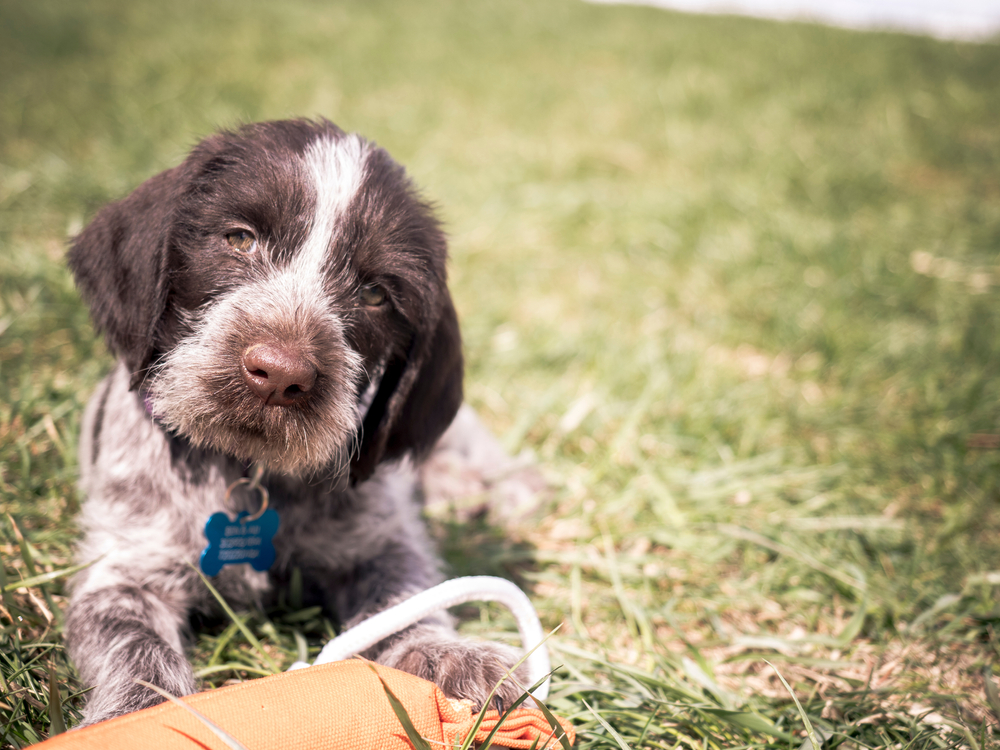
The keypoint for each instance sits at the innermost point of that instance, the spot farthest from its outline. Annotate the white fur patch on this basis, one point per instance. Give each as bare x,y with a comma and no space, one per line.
337,169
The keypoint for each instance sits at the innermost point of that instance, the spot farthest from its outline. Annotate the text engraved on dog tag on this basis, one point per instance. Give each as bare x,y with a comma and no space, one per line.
232,542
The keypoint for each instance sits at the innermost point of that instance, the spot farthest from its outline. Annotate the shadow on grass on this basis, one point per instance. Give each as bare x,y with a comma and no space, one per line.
479,548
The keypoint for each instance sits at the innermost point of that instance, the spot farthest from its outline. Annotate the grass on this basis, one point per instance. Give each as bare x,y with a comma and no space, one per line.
735,283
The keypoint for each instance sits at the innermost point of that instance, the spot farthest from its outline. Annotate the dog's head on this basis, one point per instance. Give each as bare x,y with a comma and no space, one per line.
280,297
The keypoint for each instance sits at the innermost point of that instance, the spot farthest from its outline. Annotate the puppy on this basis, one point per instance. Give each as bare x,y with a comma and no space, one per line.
278,305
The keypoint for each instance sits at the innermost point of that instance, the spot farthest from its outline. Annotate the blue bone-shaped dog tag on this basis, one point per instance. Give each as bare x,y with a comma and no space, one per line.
240,541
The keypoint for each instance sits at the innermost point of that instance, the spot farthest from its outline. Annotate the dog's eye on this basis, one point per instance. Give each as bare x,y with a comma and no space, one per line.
372,295
242,240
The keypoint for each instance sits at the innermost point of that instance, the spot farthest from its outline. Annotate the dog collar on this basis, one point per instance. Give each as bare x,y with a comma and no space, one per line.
147,405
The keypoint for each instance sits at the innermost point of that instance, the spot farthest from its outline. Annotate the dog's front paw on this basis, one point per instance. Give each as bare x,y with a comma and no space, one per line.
462,669
117,693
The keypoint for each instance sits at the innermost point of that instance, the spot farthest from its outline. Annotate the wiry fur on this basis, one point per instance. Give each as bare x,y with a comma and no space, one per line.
176,423
193,390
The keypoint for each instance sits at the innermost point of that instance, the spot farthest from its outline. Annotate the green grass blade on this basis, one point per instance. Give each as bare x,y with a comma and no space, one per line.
753,722
549,717
516,704
617,737
810,732
649,723
29,563
302,615
418,742
57,724
223,640
992,694
5,597
301,646
238,621
231,667
43,578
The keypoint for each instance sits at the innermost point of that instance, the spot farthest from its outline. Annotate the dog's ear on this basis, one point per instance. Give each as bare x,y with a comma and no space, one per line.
120,265
417,398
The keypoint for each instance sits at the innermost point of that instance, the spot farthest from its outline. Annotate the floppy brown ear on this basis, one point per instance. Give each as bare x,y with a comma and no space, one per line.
417,399
120,265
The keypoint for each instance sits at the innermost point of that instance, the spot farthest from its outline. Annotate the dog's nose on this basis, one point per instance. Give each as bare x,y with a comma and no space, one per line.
278,375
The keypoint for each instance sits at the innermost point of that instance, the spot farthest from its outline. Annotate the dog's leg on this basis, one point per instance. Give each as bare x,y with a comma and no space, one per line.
469,474
430,649
128,607
120,633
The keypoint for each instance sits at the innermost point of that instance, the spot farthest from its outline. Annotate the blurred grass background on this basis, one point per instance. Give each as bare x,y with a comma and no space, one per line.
734,282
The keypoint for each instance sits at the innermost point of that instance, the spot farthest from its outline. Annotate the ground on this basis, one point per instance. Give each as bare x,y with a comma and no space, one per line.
732,284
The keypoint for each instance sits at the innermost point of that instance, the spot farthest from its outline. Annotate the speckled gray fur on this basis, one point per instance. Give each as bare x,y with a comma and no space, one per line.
174,424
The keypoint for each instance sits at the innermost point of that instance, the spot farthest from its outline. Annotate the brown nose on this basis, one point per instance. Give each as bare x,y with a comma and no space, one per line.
278,375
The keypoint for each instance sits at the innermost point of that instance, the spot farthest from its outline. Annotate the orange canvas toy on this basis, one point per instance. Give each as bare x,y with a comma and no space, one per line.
337,706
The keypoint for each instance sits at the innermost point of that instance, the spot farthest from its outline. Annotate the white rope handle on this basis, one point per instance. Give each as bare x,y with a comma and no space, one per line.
456,591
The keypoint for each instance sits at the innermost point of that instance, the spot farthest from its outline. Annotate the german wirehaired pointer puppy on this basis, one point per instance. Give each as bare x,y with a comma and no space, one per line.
277,303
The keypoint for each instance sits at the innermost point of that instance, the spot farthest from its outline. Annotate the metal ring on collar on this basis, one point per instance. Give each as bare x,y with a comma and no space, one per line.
252,483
